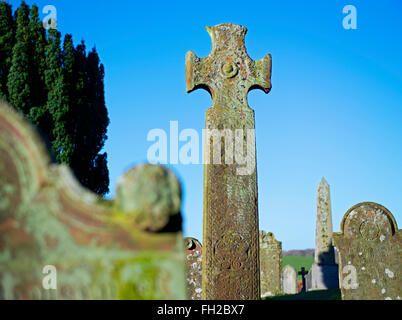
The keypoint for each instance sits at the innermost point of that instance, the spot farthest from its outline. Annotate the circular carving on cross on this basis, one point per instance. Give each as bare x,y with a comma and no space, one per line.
229,69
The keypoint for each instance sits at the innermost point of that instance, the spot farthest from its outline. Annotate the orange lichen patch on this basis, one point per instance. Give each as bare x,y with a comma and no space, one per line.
51,242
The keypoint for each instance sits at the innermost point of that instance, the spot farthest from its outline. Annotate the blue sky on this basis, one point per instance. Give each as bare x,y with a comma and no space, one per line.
335,109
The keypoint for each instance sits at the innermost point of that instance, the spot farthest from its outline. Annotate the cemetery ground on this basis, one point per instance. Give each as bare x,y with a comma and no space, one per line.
298,262
330,294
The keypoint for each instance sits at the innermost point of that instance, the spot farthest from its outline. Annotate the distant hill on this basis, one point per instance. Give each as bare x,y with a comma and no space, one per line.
299,253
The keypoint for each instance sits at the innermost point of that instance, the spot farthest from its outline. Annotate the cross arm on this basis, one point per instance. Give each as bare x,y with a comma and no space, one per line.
261,71
195,70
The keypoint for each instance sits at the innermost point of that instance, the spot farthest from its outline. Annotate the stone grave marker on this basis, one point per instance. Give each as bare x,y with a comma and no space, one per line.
230,245
61,241
270,265
194,268
369,248
289,281
324,271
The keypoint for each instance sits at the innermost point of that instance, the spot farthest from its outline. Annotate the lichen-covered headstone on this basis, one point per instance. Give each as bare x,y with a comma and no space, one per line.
324,271
60,241
289,281
230,244
369,248
270,265
194,268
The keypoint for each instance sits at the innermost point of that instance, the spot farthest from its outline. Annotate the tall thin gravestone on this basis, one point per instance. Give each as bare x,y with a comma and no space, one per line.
369,248
324,271
270,265
230,244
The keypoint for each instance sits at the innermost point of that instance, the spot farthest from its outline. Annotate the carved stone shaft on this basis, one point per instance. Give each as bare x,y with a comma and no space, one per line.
231,257
324,250
230,244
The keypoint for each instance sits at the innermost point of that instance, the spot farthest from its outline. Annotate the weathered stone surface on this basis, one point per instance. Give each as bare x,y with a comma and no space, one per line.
270,265
230,244
322,277
194,268
324,250
151,196
369,247
99,249
289,281
324,271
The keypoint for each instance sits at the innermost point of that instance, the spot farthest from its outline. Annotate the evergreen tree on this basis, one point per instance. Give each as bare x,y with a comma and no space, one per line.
60,89
6,45
37,60
91,121
100,121
68,62
57,101
19,93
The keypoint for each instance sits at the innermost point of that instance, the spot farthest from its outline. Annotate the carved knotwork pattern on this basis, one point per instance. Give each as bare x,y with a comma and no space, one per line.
232,265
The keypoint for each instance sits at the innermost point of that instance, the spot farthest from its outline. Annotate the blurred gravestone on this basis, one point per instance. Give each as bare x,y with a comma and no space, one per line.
270,265
289,281
194,268
369,247
60,241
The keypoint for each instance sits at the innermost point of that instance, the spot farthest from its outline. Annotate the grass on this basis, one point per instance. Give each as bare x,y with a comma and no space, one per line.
330,294
298,263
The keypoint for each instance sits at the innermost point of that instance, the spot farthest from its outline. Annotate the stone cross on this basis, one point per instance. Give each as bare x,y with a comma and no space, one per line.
270,265
61,241
230,244
369,249
194,268
303,274
289,280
